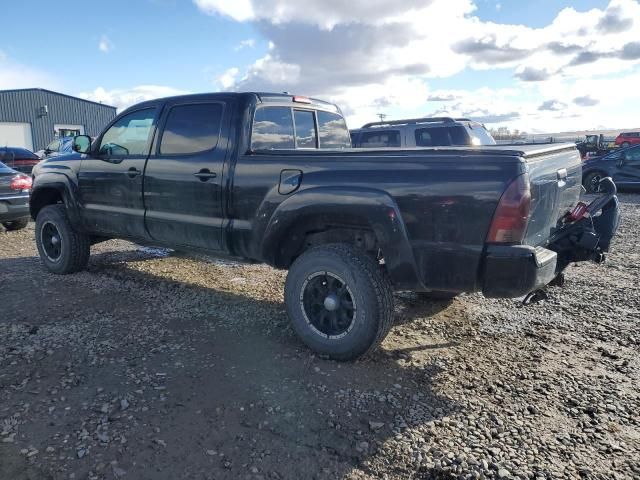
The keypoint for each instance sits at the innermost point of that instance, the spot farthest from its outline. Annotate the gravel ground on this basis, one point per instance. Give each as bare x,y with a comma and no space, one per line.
154,366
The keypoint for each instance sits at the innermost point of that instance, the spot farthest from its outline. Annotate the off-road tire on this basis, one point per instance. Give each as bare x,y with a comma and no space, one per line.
625,145
16,224
74,246
368,284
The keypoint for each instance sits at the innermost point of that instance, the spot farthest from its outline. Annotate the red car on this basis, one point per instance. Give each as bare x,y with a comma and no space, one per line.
627,139
19,159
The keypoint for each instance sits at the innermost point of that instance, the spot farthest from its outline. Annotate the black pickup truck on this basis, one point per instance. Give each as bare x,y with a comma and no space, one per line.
273,178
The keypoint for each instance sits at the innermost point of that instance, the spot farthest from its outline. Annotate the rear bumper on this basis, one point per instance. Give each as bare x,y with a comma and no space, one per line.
516,270
14,207
513,271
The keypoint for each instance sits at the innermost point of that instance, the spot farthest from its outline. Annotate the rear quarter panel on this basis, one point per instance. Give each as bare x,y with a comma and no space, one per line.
445,198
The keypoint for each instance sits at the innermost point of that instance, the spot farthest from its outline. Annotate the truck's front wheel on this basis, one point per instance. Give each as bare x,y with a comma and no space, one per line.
339,300
62,249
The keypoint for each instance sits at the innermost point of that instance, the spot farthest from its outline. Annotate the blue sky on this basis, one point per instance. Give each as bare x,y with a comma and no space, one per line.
531,65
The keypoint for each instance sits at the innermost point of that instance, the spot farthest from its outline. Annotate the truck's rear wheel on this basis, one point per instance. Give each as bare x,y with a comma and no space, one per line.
62,249
339,300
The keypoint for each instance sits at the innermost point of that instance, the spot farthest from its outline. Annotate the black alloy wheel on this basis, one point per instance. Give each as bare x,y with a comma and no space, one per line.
328,304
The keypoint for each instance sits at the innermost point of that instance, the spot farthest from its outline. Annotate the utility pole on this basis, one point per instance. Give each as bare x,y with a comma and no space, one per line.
382,116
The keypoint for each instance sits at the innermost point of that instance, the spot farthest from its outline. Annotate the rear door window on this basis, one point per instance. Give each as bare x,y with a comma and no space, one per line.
191,129
377,139
272,129
332,130
305,129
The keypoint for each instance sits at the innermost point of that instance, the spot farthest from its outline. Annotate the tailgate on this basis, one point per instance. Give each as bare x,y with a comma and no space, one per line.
555,176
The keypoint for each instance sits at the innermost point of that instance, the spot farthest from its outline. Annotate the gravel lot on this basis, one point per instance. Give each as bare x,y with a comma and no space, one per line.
153,366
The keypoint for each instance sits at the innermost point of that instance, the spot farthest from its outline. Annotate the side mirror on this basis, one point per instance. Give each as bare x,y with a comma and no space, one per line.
82,144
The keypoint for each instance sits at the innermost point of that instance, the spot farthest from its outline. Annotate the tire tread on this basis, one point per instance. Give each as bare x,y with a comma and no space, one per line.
378,277
79,244
14,225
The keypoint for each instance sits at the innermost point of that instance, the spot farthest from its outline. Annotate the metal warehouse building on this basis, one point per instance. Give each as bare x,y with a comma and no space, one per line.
33,117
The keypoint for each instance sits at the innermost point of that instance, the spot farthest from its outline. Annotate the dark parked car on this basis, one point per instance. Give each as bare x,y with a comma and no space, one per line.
273,178
627,139
422,132
19,159
14,198
622,165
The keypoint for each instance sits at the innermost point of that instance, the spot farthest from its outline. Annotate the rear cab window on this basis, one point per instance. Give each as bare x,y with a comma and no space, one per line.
288,128
305,124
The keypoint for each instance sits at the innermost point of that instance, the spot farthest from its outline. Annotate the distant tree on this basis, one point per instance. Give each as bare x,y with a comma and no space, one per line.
503,133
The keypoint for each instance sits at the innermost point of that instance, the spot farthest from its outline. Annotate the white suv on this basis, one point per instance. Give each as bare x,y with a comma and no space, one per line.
421,132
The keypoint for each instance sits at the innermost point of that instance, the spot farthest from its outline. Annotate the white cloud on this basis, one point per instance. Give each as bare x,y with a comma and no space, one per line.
323,13
248,43
105,45
359,53
228,78
240,10
123,98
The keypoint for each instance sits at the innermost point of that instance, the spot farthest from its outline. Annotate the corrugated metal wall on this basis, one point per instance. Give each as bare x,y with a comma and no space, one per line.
25,106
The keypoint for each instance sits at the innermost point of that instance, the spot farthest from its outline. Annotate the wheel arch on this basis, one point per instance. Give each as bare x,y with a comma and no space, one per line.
366,218
51,189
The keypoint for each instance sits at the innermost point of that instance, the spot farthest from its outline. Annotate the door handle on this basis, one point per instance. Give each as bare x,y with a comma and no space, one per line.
204,174
133,172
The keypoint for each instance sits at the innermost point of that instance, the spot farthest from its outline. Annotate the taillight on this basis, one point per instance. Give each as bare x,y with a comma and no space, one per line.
20,182
512,215
25,161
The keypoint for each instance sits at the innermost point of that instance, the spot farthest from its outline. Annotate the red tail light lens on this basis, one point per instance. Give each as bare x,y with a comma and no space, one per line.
21,182
512,215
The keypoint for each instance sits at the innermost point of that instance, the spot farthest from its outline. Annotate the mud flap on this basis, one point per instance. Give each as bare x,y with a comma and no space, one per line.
583,235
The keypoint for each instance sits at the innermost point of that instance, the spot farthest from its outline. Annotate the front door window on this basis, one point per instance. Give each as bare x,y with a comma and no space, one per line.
128,136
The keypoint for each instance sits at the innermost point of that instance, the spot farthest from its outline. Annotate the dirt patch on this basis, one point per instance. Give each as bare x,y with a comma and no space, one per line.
153,365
